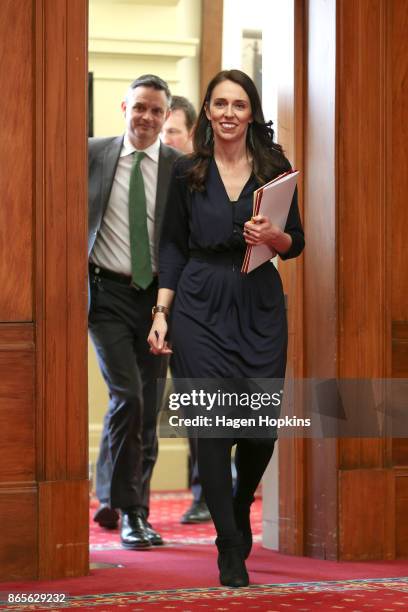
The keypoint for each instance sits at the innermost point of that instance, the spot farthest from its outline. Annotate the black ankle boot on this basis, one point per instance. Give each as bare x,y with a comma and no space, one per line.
242,518
231,562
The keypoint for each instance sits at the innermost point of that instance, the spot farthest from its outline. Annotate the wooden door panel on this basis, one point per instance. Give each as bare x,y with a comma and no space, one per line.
17,418
354,100
17,109
366,514
43,297
18,542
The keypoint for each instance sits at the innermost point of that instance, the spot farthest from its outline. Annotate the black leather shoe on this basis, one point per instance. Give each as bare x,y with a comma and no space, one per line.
242,518
154,538
197,513
133,533
106,517
231,562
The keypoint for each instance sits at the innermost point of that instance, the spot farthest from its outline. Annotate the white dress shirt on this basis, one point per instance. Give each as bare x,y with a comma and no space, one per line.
112,245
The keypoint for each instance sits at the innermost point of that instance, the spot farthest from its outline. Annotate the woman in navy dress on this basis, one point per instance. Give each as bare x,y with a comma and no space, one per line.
225,324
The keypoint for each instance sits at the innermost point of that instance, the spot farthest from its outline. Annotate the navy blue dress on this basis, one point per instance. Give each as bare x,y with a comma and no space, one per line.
224,324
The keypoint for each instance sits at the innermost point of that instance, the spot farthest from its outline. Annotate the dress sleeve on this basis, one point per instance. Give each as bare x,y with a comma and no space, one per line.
294,228
174,242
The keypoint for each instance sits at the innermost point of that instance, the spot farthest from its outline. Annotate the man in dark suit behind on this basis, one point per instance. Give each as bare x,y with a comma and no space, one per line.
128,180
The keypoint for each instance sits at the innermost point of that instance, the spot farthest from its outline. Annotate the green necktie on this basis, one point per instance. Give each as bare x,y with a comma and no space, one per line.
142,274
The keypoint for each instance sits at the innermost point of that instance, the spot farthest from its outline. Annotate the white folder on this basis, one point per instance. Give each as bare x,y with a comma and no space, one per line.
272,200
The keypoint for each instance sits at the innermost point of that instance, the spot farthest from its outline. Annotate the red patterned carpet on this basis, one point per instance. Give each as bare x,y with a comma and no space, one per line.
388,595
182,576
166,511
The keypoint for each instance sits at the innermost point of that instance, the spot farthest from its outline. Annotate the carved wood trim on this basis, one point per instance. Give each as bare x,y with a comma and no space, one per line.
61,285
292,450
211,42
61,227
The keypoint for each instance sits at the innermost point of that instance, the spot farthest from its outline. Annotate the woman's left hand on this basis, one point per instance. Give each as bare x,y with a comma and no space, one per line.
261,231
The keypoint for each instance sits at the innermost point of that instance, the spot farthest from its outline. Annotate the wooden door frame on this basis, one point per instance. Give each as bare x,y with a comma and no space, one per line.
43,334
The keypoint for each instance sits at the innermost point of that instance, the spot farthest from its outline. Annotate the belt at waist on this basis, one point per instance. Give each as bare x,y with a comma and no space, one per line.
228,259
123,279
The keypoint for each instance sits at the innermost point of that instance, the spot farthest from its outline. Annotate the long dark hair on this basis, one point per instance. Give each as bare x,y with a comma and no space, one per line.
267,155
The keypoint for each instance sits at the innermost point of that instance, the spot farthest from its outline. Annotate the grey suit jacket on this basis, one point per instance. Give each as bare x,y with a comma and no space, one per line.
103,156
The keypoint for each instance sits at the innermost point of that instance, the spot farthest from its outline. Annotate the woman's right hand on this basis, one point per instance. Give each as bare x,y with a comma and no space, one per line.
157,336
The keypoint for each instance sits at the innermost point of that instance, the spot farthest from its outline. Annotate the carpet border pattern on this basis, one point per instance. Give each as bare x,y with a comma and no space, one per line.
399,584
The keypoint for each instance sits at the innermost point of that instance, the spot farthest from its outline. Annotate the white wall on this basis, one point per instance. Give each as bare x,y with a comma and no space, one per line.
128,38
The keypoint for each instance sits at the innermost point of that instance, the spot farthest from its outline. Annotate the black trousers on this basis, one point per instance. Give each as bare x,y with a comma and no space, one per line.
119,323
194,481
214,464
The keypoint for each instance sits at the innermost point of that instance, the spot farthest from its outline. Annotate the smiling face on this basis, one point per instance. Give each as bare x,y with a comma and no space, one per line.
229,111
145,110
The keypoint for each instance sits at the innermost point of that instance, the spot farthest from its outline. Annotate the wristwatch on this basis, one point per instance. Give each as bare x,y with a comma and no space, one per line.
162,309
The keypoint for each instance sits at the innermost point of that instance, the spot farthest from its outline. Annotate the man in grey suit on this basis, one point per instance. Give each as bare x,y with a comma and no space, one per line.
128,181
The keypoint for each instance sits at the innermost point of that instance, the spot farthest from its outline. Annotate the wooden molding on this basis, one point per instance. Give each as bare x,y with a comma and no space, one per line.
292,450
60,256
176,48
142,2
61,287
211,42
397,131
364,323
